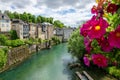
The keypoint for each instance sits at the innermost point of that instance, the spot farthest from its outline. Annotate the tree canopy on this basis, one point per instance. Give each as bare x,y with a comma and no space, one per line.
28,17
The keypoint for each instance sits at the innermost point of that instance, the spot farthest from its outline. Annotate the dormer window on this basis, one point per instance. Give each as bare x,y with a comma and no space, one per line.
2,16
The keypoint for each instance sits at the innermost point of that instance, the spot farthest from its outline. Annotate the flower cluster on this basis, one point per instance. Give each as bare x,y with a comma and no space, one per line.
104,29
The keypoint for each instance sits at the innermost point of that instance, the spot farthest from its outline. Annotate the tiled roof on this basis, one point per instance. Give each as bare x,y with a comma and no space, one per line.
17,21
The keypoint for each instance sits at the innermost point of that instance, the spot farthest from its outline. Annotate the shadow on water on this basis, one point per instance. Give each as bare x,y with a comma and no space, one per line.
45,65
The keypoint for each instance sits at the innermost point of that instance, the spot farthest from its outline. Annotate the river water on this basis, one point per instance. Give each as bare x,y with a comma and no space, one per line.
48,64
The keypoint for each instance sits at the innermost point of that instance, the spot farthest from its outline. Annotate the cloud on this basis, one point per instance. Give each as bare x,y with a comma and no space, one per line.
16,3
70,12
55,4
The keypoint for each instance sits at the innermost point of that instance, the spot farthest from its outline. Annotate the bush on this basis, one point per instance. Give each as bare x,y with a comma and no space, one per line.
76,45
3,58
17,42
3,38
55,39
114,71
13,34
40,40
8,42
28,42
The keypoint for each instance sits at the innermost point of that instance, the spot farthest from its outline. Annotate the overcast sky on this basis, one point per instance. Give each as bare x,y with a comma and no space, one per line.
70,12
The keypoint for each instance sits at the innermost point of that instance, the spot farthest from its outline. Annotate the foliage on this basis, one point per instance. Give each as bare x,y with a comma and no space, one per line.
3,58
40,40
114,71
13,34
27,17
59,24
8,42
75,44
17,42
55,40
28,42
3,38
31,41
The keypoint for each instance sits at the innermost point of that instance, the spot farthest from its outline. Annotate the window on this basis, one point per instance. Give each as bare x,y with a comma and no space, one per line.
7,21
2,25
43,28
2,16
7,25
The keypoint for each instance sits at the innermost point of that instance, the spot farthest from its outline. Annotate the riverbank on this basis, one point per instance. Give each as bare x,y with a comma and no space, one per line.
17,55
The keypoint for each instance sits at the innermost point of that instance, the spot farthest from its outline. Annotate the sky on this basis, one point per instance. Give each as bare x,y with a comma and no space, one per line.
70,12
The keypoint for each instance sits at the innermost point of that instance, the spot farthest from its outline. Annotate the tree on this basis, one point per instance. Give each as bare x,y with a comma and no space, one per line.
13,34
59,24
27,17
24,17
51,20
34,20
11,15
16,15
39,19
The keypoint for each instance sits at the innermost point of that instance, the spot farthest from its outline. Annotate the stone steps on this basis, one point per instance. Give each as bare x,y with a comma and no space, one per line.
83,76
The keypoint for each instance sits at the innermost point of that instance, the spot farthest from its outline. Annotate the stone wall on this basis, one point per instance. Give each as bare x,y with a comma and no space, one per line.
19,54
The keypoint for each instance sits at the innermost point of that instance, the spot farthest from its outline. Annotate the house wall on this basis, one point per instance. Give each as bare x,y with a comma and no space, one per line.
50,30
32,30
67,33
19,29
5,25
41,34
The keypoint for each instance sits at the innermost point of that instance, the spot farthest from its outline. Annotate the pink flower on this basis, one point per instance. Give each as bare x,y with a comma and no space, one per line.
86,61
114,38
94,9
100,40
105,45
85,28
99,60
112,8
87,43
98,28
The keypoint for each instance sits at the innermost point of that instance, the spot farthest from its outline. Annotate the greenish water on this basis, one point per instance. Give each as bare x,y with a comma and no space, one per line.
45,65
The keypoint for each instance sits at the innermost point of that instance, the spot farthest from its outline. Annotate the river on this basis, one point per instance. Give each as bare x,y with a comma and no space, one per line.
50,64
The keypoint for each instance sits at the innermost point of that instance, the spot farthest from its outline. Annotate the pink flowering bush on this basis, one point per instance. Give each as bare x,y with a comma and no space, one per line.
86,61
99,60
102,35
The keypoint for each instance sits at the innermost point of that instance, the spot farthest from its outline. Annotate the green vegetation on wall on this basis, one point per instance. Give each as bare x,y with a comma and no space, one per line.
13,34
3,58
3,39
55,40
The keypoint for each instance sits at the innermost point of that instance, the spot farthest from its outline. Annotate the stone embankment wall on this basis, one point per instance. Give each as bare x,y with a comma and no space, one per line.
19,54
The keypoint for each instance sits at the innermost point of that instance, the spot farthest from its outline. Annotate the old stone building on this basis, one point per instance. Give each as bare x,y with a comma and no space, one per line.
32,30
21,28
5,23
45,31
